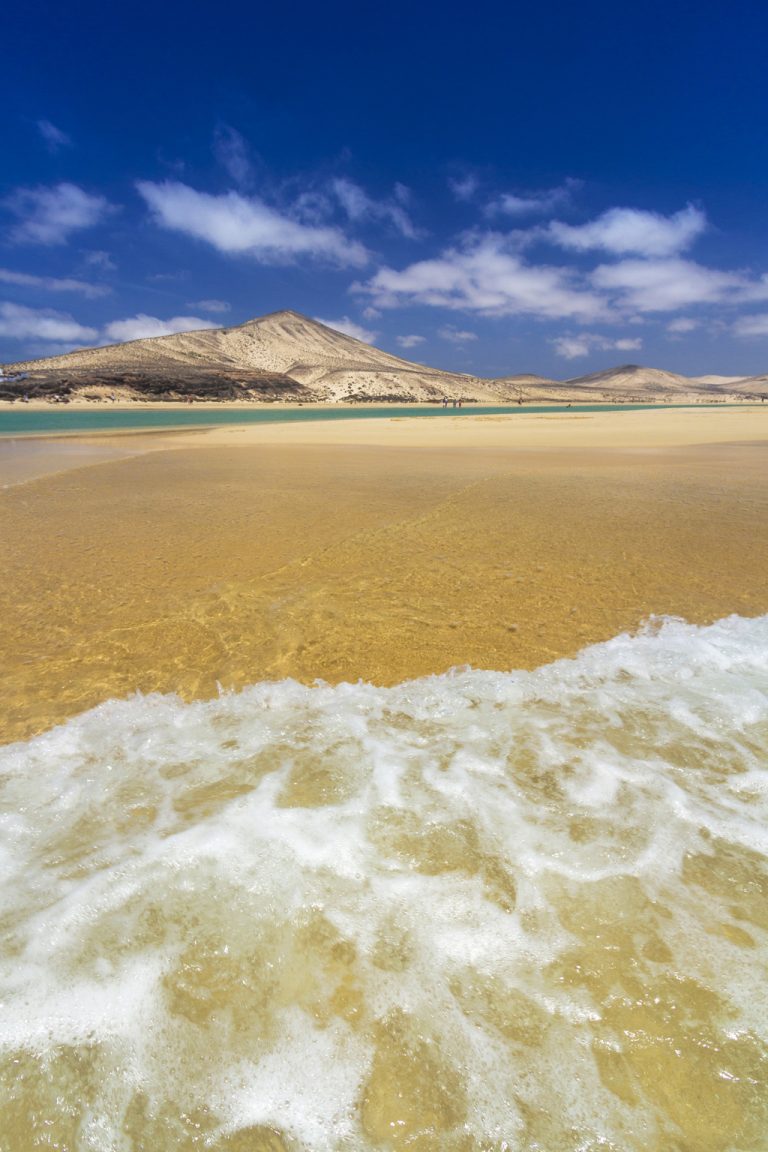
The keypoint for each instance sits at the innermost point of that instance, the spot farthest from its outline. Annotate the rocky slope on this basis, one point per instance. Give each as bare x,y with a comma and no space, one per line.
287,356
328,364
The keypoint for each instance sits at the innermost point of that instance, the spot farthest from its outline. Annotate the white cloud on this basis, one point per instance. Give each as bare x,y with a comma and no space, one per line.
683,324
99,259
235,224
625,230
751,326
51,215
20,323
349,328
141,326
371,313
54,138
572,347
532,203
665,285
485,276
52,283
215,306
409,341
358,205
456,335
464,187
232,153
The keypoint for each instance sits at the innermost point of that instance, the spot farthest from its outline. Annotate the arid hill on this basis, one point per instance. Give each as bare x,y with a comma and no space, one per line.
287,356
751,386
327,364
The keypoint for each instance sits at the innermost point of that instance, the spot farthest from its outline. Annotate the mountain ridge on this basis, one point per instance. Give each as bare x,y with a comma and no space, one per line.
286,355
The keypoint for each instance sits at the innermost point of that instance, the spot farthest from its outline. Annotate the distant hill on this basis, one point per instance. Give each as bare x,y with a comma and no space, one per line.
719,381
287,356
751,386
326,364
634,380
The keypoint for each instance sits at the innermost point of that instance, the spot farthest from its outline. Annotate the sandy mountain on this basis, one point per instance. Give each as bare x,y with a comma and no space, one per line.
630,380
329,365
751,386
717,381
526,379
287,356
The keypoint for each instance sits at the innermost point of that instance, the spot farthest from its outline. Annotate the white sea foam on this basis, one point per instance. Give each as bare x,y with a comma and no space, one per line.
483,907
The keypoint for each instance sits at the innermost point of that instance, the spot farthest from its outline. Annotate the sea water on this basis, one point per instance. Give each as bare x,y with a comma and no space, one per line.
27,421
475,911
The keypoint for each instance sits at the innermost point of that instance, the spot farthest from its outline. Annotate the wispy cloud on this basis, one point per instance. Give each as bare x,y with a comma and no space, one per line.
99,259
409,341
50,215
751,326
464,188
20,323
359,206
239,225
141,326
349,328
233,153
456,335
572,347
632,230
52,283
215,306
54,138
682,325
532,203
485,276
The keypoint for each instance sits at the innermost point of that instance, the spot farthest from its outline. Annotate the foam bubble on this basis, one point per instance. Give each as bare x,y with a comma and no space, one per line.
478,910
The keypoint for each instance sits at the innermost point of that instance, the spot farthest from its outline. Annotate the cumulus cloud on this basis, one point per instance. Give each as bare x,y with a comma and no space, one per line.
409,341
52,283
751,326
141,326
456,335
20,323
666,285
487,277
358,205
632,230
51,215
210,305
54,138
572,347
239,225
532,203
349,328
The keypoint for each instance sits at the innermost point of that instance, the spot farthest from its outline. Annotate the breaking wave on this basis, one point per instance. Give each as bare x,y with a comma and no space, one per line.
478,911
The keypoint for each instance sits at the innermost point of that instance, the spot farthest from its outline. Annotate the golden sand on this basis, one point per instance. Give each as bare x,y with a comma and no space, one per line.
379,550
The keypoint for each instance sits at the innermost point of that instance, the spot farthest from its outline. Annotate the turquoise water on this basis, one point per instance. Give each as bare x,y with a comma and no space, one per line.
17,421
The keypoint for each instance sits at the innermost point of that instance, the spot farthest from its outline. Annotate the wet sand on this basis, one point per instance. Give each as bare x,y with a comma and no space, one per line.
380,550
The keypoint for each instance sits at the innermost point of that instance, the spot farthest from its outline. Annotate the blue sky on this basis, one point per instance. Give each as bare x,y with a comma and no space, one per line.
500,188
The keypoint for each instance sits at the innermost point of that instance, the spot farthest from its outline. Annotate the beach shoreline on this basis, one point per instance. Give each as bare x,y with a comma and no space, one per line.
373,549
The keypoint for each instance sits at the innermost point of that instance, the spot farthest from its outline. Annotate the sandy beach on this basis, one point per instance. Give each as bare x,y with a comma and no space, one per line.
380,550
